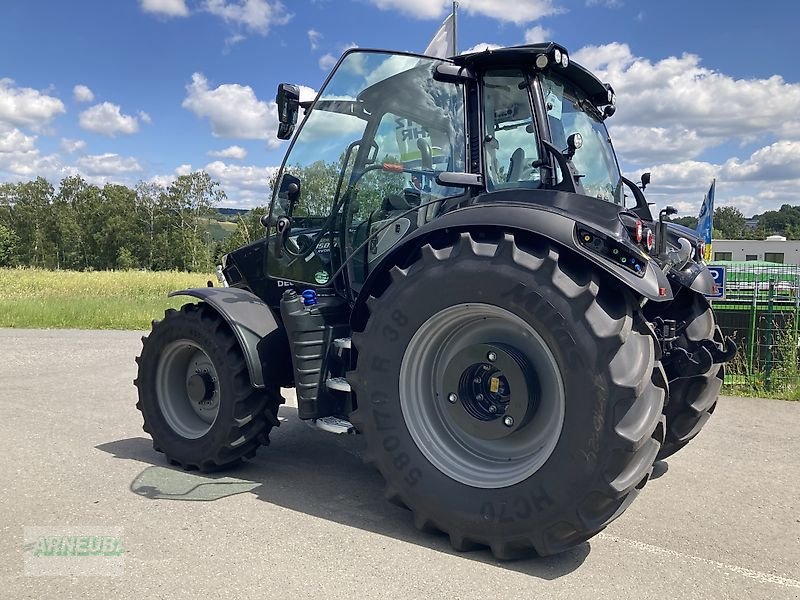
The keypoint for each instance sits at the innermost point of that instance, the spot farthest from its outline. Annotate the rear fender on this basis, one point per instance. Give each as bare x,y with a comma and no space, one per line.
252,322
533,219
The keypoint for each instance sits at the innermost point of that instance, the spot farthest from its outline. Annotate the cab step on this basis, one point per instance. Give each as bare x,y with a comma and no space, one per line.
338,384
342,343
334,425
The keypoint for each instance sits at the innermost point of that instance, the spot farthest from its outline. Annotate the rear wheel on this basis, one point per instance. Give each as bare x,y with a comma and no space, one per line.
195,394
508,395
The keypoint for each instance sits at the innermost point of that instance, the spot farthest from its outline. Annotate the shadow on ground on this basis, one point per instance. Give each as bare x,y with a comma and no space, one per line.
317,474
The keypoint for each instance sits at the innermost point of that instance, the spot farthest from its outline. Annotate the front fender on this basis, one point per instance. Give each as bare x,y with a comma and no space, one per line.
249,318
538,220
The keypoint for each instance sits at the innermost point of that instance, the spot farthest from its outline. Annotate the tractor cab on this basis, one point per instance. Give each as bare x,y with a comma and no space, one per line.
393,141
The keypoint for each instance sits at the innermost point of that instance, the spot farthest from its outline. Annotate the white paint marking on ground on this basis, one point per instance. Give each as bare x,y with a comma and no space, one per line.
749,573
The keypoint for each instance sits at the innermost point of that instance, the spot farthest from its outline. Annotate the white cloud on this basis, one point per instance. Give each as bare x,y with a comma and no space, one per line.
314,37
25,165
523,11
107,119
640,145
108,164
245,185
327,61
678,92
71,146
167,8
235,152
765,180
27,107
163,181
82,93
538,34
241,177
777,162
234,111
184,170
13,140
253,15
144,117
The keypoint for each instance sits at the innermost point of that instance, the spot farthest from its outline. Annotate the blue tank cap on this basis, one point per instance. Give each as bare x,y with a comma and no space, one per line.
309,298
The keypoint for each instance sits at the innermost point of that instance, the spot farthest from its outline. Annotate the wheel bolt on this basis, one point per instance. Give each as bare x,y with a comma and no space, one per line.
492,356
492,409
452,398
476,380
479,397
508,421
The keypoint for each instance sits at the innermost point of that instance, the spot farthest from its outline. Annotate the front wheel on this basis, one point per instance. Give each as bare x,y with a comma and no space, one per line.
508,394
693,399
195,394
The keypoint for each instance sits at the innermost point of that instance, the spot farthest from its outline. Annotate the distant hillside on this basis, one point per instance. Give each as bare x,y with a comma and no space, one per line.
232,212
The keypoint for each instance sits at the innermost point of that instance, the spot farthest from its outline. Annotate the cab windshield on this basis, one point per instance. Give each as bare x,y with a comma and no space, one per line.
569,111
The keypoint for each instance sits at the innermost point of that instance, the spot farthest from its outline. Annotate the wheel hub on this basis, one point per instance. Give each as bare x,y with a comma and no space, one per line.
494,388
200,387
187,388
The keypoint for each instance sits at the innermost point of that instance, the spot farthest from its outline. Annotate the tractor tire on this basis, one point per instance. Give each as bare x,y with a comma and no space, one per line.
195,394
692,400
508,394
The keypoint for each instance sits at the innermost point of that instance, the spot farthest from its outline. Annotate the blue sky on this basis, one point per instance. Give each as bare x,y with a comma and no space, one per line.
706,88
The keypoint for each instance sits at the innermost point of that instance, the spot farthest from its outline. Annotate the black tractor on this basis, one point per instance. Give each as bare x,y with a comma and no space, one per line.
454,268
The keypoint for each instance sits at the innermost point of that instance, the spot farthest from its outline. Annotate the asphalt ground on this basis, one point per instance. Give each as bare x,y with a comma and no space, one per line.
307,519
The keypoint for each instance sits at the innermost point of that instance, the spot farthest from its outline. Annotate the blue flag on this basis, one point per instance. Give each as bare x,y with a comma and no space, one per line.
705,221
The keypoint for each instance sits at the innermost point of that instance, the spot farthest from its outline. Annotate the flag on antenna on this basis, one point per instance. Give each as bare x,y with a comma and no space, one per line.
705,221
444,44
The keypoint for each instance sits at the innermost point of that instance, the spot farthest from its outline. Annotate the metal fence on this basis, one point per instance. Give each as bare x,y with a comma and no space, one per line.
761,312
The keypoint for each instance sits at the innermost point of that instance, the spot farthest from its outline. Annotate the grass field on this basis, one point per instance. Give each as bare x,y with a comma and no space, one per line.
96,300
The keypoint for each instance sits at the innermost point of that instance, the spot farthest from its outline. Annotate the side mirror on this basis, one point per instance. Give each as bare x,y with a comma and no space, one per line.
574,143
288,100
645,180
288,193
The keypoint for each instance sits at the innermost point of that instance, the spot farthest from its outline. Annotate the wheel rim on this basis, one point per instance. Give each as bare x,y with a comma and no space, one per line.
187,388
482,395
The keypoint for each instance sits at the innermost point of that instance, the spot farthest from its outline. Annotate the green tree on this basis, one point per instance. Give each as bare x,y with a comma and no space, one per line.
31,219
780,221
248,230
690,222
192,199
729,221
150,213
8,246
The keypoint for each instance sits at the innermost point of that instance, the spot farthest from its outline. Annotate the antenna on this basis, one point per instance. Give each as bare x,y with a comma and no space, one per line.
455,28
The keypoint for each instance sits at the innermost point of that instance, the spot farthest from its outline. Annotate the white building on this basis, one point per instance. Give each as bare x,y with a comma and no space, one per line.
775,248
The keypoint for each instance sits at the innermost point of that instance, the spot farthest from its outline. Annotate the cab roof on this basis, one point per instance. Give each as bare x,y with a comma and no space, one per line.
525,55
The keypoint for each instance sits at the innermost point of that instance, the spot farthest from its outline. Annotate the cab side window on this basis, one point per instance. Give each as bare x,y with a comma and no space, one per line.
510,145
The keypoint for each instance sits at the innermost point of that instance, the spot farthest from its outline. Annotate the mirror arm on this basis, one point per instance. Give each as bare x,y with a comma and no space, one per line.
642,207
569,182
